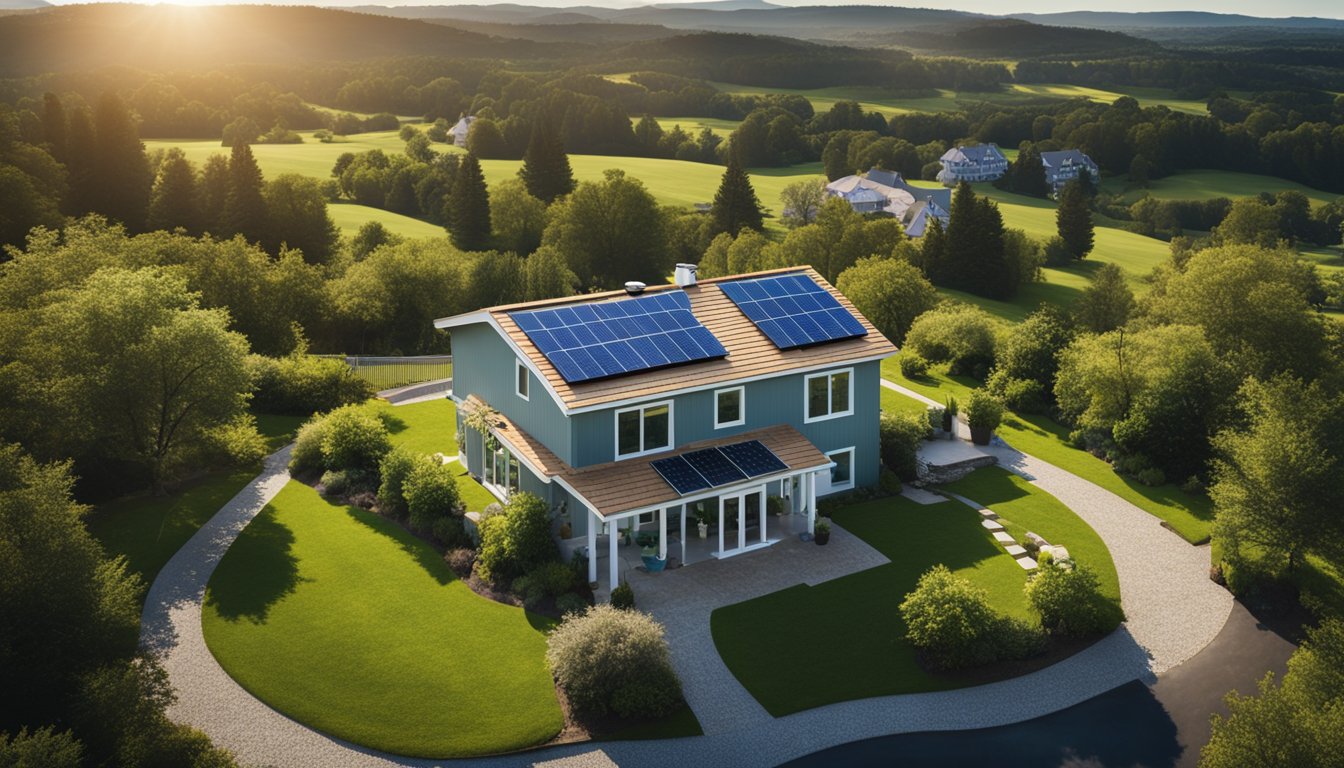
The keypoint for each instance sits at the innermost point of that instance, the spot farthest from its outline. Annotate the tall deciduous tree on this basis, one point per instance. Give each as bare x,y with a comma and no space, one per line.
469,207
736,206
175,201
547,276
1279,484
1074,219
1106,303
802,201
121,175
610,231
31,185
299,218
546,170
518,217
889,292
244,207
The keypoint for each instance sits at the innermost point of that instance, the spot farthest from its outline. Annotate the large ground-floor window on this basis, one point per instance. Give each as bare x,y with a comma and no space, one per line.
500,471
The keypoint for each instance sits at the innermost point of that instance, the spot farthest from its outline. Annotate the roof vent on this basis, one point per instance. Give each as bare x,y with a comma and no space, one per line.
685,275
634,287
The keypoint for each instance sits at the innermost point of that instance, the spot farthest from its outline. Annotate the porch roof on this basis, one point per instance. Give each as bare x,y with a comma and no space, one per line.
527,448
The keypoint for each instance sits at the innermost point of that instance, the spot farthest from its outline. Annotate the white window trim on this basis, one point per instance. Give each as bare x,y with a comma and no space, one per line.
519,368
616,429
807,380
500,492
849,485
741,407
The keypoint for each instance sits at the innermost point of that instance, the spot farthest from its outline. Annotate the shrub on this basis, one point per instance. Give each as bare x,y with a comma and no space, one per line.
609,660
623,597
900,435
335,483
306,456
959,334
301,384
450,532
517,540
984,411
353,438
1152,476
394,469
554,578
1057,253
913,366
430,490
238,442
460,560
1021,395
950,621
1069,600
571,603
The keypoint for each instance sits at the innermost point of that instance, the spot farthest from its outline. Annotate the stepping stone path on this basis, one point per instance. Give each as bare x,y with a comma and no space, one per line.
1027,563
1016,550
992,525
1004,538
989,520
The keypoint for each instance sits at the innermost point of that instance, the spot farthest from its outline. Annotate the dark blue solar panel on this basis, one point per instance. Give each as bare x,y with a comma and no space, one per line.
792,310
680,475
753,458
715,467
594,341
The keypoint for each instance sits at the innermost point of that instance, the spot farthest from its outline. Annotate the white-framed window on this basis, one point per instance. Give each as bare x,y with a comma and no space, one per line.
828,395
500,471
643,429
842,474
730,407
521,379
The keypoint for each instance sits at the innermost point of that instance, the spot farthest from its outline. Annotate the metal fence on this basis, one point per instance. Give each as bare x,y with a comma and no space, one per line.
390,372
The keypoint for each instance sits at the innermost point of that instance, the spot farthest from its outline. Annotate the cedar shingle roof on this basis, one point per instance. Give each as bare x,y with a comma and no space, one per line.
523,445
750,353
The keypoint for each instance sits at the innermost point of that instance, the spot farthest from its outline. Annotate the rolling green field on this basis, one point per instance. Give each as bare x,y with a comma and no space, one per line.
693,125
1206,185
349,217
311,158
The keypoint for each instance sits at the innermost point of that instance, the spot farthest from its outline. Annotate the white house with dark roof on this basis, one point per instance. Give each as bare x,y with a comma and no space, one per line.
653,410
886,192
983,162
460,130
1064,166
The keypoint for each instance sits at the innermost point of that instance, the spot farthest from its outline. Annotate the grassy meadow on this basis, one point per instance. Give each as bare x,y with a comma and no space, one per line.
1206,185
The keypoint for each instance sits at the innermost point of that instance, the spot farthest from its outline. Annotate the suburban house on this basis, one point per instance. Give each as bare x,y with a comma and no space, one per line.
885,192
1064,166
461,128
672,408
983,162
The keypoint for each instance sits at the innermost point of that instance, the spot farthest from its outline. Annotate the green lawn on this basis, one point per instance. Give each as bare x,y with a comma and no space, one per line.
278,430
474,495
311,158
805,646
345,622
1191,516
349,217
148,530
895,402
693,125
1205,185
428,427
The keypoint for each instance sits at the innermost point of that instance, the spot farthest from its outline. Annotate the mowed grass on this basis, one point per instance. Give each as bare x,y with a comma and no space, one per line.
342,620
807,646
349,217
693,125
1206,185
1189,515
311,158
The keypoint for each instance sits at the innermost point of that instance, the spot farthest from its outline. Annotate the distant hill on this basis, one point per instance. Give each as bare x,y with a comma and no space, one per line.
1172,19
1012,37
22,5
723,5
80,37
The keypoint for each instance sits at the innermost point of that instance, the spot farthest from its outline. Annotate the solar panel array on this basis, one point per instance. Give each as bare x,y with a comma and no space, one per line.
610,338
792,310
714,467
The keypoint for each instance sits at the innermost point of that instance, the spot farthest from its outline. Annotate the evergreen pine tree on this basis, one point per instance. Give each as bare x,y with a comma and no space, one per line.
1074,219
994,277
959,250
735,204
175,201
546,170
121,175
1029,174
933,253
211,192
469,207
54,125
648,133
81,154
244,208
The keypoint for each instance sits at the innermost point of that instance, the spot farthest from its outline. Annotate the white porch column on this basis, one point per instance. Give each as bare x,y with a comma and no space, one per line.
611,554
684,510
720,525
742,522
762,510
811,502
662,532
592,546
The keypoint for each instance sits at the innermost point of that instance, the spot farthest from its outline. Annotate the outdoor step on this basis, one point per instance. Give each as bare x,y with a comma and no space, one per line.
1016,550
1004,538
1027,563
989,514
991,525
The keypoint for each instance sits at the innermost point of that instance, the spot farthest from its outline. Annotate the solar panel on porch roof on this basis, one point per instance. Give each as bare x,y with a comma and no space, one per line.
714,467
792,310
595,341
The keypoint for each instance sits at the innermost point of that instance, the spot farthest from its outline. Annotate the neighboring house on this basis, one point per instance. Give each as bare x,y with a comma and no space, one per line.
881,191
655,408
1064,166
461,129
983,162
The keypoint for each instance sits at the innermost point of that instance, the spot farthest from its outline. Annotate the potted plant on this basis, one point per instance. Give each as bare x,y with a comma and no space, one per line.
822,531
984,413
652,562
701,521
776,505
950,418
935,414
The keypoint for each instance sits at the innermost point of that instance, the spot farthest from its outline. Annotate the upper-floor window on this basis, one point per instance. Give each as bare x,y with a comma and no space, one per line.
643,429
829,395
730,407
520,379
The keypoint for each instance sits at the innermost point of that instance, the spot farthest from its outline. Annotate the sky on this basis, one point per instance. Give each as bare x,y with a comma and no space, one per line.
1324,8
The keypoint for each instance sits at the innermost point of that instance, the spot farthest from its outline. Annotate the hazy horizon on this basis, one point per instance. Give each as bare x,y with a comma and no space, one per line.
1289,8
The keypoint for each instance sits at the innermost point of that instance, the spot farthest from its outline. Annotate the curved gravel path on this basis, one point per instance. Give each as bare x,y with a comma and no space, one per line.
1172,611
